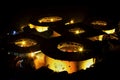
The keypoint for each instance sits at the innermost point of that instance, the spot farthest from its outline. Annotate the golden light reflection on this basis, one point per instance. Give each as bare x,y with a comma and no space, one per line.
80,49
76,30
83,65
38,28
112,31
96,38
38,59
31,26
69,66
70,47
70,22
60,65
25,42
55,34
100,37
99,23
50,19
41,29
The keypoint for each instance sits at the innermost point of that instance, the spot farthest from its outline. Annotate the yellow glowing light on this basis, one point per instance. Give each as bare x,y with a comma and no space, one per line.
70,22
99,23
41,28
100,37
32,54
70,47
112,31
80,49
60,65
38,58
96,38
39,61
31,26
25,42
38,28
50,19
76,30
83,65
69,66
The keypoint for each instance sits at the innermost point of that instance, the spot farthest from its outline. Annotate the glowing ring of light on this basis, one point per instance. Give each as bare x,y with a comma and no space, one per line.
51,48
14,47
25,42
101,23
70,47
79,30
48,20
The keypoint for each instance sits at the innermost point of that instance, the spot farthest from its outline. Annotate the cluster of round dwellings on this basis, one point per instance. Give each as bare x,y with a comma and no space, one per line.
59,43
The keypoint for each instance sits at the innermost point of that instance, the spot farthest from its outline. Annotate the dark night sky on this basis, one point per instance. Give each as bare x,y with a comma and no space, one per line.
22,11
